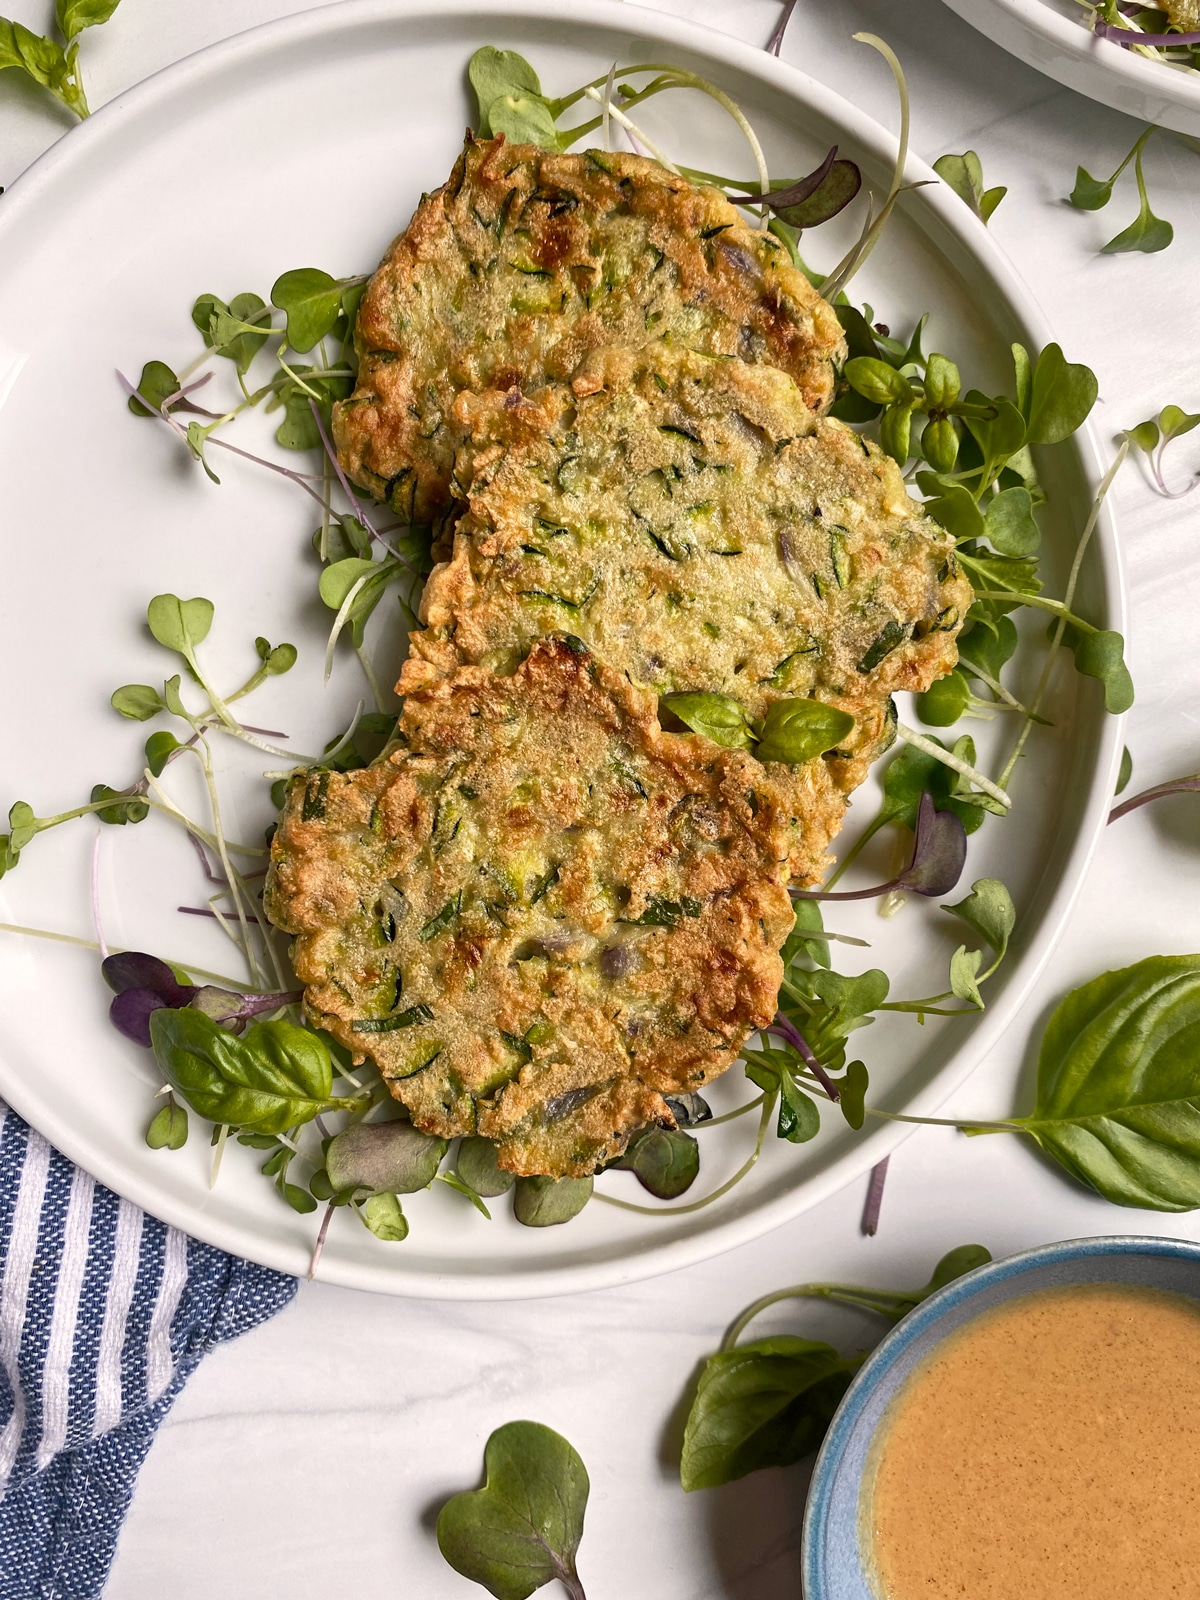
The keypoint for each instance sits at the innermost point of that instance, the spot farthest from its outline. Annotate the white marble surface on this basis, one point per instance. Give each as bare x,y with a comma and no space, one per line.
306,1459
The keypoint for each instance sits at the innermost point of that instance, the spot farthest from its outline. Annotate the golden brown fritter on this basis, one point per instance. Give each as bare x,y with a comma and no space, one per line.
1183,14
689,519
527,259
544,914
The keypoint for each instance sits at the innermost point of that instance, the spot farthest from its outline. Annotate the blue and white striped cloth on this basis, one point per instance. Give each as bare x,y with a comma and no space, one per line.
104,1314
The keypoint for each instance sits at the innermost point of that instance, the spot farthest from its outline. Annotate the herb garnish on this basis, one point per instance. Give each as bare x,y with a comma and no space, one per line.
768,1403
522,1529
47,62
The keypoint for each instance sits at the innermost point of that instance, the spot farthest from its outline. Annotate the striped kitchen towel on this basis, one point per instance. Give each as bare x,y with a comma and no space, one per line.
104,1313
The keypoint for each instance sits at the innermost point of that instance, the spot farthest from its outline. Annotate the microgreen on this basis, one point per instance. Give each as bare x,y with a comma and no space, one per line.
1161,791
769,1402
384,1157
478,1167
48,63
1146,232
939,854
666,1161
545,1202
964,174
522,1529
1154,435
168,1128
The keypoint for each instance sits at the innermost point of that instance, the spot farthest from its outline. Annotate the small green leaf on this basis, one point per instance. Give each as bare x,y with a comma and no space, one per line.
137,701
1126,771
384,1156
384,1216
124,808
878,382
159,748
157,383
280,660
8,856
798,1120
477,1166
718,717
1090,194
964,970
944,701
1000,435
179,624
795,731
171,697
1061,397
953,506
799,942
299,1199
1176,422
498,72
1146,233
22,820
545,1202
312,301
852,1094
939,444
964,174
1102,655
524,119
666,1161
522,1529
895,433
943,383
169,1129
1009,524
989,910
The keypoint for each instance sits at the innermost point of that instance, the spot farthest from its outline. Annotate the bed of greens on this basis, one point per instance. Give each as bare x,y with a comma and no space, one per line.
236,1053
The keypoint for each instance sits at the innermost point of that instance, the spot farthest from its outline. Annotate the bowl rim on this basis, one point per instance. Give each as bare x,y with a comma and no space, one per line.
912,1327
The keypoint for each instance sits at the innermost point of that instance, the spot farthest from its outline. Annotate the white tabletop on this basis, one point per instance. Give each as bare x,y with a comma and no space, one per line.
309,1458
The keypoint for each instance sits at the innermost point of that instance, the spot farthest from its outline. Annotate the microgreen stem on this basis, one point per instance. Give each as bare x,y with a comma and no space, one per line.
844,1294
946,1122
696,1205
619,116
870,236
855,850
97,920
729,1116
339,621
1043,683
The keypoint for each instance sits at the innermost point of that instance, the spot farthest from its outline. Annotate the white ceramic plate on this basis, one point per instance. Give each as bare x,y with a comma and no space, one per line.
308,142
1052,35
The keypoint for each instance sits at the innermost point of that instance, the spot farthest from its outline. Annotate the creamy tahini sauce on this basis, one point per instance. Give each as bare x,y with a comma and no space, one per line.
1049,1450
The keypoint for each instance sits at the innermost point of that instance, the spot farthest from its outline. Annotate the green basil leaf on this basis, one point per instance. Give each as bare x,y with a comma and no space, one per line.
545,1202
795,731
1118,1101
179,624
718,717
384,1216
39,58
523,1528
169,1129
384,1156
312,302
989,910
272,1078
766,1403
478,1167
1061,397
73,16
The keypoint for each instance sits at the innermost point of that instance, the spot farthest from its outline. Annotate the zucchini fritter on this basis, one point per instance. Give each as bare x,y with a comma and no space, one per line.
543,914
524,261
689,519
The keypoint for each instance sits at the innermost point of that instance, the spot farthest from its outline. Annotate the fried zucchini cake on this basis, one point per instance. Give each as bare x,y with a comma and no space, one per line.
542,913
524,261
692,522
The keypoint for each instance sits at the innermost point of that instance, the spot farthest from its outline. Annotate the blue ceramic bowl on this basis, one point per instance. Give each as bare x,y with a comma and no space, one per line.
834,1563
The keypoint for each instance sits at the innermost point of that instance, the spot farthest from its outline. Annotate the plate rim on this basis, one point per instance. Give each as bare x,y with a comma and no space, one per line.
1097,68
643,1259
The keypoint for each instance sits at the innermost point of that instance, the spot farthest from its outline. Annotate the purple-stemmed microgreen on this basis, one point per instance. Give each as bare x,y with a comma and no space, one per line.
775,43
938,857
143,984
786,1029
813,199
1160,791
